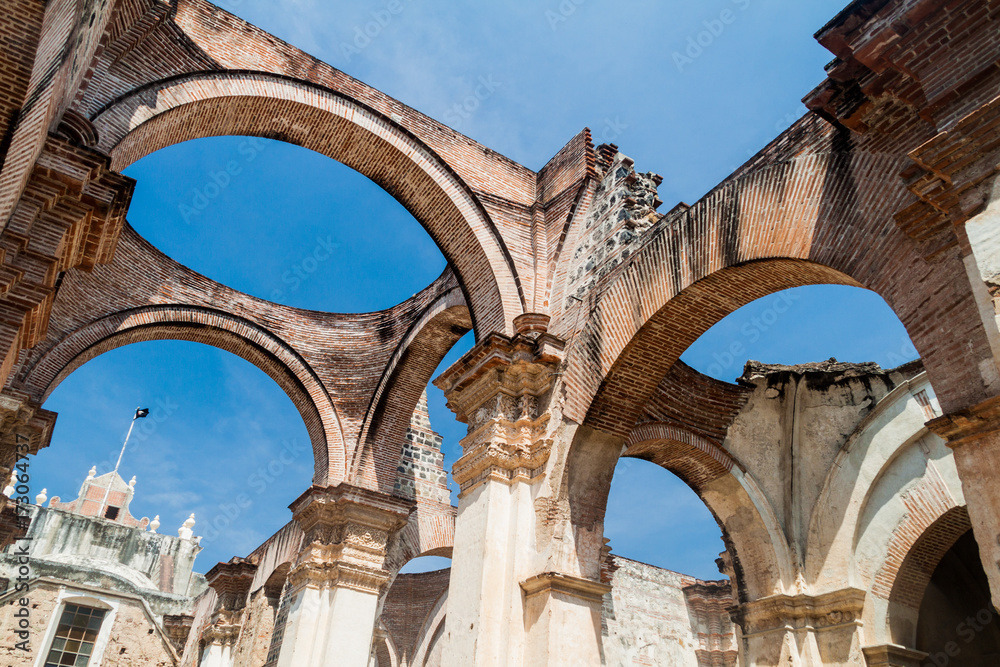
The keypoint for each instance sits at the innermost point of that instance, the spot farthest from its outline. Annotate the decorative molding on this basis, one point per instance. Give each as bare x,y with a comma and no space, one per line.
503,389
780,613
970,424
348,531
891,655
554,582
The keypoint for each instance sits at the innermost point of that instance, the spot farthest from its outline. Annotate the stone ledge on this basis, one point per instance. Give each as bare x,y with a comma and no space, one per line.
554,582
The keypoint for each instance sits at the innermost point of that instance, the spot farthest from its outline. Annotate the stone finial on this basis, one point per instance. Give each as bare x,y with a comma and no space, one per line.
41,497
185,532
154,524
131,483
9,489
54,500
92,474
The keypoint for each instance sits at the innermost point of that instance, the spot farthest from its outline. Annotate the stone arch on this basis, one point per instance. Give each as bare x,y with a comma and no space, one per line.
823,216
211,327
403,381
272,106
762,566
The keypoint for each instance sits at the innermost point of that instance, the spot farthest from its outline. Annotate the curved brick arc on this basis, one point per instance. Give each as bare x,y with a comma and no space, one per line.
728,491
404,379
301,113
330,364
819,217
210,327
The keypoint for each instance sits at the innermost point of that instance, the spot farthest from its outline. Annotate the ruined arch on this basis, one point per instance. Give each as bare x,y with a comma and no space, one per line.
821,214
405,377
761,558
211,327
923,552
272,106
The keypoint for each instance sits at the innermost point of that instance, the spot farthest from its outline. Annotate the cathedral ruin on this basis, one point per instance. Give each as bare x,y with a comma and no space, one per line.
859,506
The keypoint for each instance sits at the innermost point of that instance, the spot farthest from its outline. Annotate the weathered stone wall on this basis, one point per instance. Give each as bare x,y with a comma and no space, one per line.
654,616
134,637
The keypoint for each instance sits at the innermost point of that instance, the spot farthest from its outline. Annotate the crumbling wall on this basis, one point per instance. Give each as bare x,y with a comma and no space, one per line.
623,208
134,640
653,617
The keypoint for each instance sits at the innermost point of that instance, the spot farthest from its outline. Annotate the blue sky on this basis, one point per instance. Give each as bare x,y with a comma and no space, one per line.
689,90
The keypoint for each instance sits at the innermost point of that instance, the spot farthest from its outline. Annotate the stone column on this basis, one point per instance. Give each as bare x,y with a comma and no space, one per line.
339,574
802,630
231,582
974,435
501,611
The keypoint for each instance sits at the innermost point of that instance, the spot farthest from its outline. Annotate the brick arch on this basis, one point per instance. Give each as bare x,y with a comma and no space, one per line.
913,556
403,381
210,327
821,216
332,123
763,565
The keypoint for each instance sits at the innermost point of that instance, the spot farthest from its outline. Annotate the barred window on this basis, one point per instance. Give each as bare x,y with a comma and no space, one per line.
75,636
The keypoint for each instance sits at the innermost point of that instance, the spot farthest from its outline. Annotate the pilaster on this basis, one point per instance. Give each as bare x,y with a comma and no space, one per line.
339,574
974,436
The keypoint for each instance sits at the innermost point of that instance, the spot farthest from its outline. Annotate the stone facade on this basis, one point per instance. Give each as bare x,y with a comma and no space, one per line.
849,497
74,553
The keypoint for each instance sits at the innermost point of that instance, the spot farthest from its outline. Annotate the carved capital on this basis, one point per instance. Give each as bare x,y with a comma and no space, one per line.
221,634
791,612
347,535
231,582
969,424
177,628
504,390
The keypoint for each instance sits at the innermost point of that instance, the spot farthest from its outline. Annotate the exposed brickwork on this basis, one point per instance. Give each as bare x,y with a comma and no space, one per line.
409,608
696,402
917,547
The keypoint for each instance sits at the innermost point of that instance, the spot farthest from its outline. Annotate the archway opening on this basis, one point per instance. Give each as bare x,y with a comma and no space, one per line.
802,325
282,223
221,441
957,621
653,517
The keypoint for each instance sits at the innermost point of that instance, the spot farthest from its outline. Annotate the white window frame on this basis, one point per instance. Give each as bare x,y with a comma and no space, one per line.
83,599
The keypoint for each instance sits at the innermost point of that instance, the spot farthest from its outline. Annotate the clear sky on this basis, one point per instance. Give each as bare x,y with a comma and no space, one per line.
690,90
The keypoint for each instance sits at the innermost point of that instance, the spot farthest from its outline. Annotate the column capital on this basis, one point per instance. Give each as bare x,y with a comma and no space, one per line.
962,426
347,530
221,634
503,390
231,582
891,655
555,582
786,612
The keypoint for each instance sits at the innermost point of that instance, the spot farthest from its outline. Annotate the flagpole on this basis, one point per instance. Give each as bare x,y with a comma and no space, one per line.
107,492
